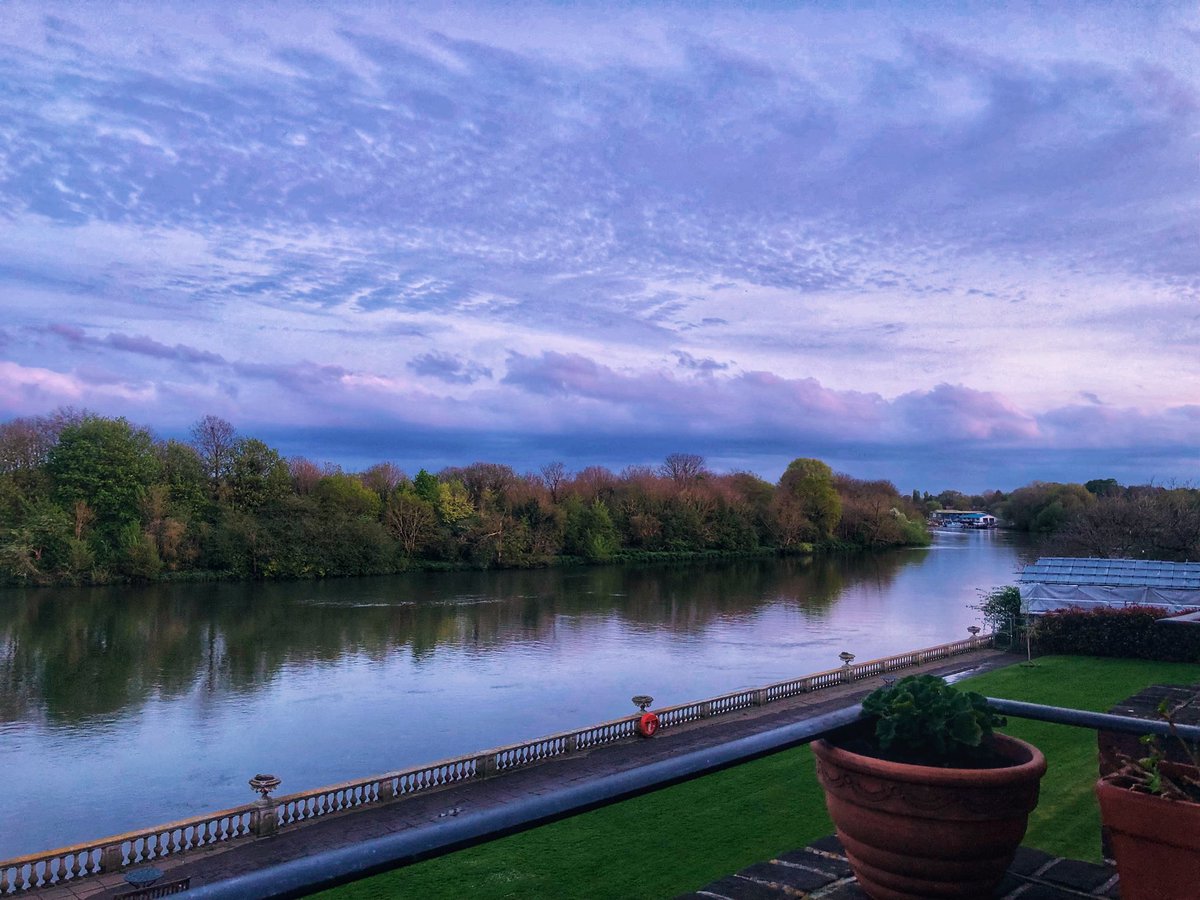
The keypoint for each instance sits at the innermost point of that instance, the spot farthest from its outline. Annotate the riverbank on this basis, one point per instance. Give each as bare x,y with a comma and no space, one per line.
419,565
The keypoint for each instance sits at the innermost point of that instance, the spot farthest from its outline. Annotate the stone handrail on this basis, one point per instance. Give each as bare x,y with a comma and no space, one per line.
120,851
268,816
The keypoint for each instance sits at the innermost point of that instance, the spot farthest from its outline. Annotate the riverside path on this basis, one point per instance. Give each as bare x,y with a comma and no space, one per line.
225,861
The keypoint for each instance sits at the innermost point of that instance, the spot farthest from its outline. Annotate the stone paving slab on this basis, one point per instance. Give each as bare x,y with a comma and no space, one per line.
224,861
1034,875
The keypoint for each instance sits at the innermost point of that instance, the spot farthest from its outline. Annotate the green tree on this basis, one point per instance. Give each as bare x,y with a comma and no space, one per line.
426,487
37,548
257,475
1046,507
183,474
139,554
346,496
108,464
1001,608
806,494
453,503
590,532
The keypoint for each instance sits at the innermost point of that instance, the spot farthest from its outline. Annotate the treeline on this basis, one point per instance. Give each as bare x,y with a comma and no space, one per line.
90,499
1099,518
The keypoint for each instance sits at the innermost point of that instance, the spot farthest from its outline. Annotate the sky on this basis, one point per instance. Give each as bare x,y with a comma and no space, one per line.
951,245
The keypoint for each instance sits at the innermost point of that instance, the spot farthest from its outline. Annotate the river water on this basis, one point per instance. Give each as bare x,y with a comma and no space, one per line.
126,707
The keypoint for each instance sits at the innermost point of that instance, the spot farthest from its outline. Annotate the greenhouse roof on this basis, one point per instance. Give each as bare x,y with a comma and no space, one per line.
1113,572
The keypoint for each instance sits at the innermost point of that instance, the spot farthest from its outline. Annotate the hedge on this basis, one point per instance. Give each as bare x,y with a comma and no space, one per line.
1127,631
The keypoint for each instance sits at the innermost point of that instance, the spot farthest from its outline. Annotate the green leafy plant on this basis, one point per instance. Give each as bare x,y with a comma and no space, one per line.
1149,774
1001,609
923,719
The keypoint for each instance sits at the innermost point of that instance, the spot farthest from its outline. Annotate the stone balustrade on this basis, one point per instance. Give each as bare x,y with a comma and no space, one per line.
270,815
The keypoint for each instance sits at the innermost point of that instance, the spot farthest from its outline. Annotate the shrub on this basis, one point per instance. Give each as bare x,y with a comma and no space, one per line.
1127,632
923,719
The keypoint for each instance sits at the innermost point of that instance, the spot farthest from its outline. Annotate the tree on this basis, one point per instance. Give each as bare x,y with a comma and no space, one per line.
426,487
345,495
873,514
25,444
183,473
1046,507
383,478
108,464
589,530
412,520
453,503
481,480
1154,524
806,493
257,475
165,531
1001,608
34,550
306,473
594,482
683,468
555,475
215,441
139,558
1103,487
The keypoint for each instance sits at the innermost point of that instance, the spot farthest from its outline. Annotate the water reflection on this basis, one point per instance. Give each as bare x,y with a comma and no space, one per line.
120,707
72,655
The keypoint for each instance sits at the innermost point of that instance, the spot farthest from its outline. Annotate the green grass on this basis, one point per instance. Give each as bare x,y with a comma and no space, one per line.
680,838
1067,819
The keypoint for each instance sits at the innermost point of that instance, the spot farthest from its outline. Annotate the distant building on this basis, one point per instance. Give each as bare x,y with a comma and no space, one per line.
961,518
1063,582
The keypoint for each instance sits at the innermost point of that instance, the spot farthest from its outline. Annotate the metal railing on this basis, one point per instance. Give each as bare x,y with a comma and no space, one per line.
267,817
332,868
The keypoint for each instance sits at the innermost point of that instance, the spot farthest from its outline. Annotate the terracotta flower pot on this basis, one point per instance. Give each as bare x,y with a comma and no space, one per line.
920,832
1156,841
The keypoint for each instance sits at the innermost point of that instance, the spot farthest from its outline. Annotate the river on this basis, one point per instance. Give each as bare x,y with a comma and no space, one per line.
124,707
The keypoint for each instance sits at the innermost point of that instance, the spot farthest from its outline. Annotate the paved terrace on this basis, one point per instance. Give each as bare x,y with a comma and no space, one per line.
820,871
224,861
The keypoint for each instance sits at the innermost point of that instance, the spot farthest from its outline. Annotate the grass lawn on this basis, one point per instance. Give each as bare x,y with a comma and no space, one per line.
683,837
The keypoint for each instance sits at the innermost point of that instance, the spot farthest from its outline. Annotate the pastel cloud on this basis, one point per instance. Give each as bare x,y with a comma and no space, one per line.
448,368
751,227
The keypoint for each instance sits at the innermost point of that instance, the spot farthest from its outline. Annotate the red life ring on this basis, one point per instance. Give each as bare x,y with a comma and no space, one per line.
647,725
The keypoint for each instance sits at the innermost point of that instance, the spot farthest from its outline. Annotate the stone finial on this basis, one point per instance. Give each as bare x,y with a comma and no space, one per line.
264,784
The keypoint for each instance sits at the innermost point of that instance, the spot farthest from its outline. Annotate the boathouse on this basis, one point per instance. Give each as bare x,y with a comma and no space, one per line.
1063,582
962,518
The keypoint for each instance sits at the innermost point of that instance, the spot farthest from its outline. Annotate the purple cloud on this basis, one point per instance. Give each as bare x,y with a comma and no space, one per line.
69,333
706,364
964,232
957,413
448,368
149,347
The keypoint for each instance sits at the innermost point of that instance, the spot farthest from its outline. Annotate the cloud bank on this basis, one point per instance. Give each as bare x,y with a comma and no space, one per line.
754,234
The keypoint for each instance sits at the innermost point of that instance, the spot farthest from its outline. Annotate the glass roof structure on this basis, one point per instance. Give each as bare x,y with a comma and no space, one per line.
1140,573
1055,582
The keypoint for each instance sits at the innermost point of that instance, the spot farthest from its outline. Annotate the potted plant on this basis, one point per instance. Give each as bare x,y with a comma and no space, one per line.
1151,808
927,800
